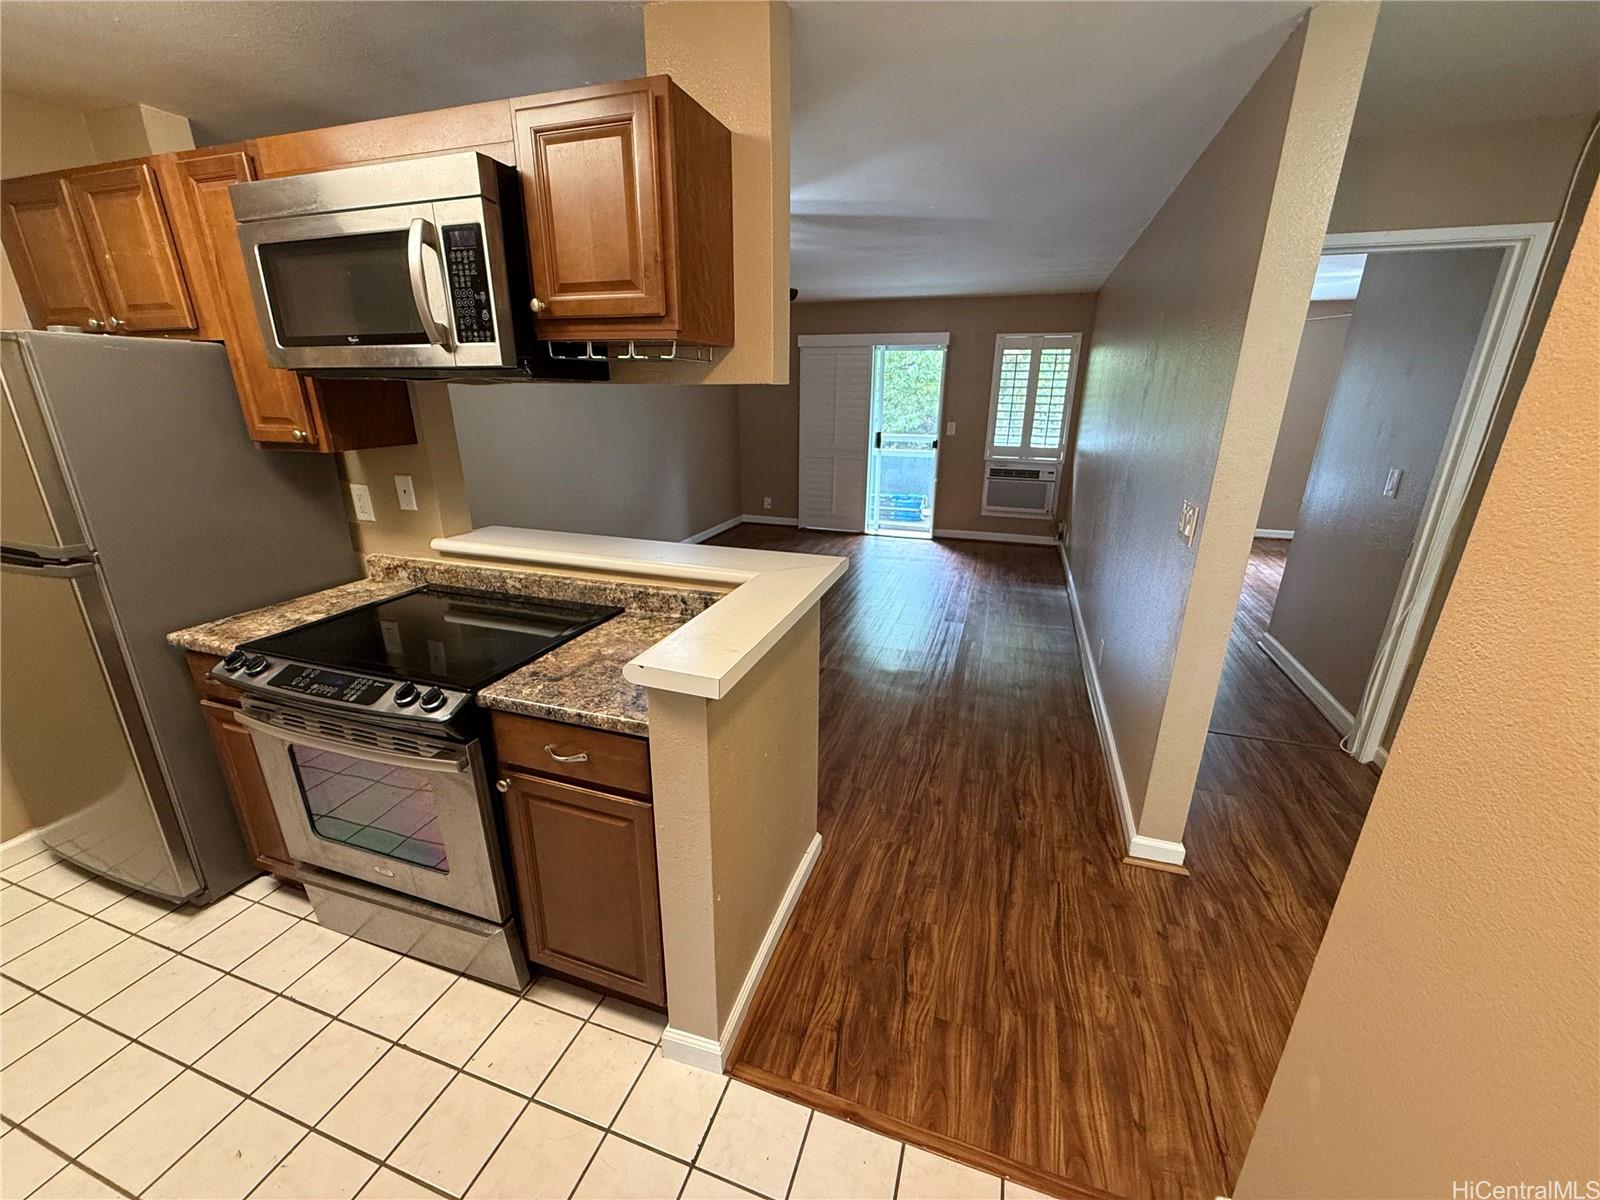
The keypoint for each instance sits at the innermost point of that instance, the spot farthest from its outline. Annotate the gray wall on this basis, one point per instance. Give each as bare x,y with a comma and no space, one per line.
1405,361
1316,366
630,460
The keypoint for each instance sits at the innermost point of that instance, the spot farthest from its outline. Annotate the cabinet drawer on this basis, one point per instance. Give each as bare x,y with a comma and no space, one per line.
209,688
593,756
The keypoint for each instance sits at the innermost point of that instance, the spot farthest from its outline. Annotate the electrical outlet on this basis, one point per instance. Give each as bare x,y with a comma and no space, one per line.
361,498
950,429
1391,482
766,503
1189,522
405,493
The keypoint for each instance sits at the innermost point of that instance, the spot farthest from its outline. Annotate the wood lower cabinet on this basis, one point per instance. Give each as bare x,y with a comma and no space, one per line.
247,787
584,862
49,254
133,249
628,197
280,407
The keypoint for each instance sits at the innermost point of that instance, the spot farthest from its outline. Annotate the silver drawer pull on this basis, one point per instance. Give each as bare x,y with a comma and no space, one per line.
580,756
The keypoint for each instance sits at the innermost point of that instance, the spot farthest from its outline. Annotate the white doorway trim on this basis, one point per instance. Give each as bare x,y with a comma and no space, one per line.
941,343
1463,449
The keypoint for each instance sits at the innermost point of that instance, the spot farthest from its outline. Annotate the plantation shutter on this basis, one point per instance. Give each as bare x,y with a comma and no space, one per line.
1032,394
835,411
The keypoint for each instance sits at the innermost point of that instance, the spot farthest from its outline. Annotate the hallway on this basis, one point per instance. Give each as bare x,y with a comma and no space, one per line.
971,967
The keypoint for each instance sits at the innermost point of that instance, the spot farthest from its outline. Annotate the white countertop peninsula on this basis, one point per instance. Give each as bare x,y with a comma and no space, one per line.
733,699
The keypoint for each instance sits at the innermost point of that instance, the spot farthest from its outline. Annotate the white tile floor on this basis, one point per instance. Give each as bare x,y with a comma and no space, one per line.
243,1050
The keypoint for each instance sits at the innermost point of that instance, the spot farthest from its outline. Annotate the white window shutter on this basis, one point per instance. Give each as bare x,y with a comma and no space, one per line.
835,411
1032,395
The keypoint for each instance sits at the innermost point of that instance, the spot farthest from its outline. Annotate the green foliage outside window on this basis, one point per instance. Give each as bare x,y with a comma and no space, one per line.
911,390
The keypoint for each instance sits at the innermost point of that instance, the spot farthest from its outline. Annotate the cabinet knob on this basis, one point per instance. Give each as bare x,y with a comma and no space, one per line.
115,322
300,435
537,305
502,785
96,323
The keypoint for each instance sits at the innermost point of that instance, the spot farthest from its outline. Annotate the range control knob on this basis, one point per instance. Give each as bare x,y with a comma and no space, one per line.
405,695
256,664
432,700
234,661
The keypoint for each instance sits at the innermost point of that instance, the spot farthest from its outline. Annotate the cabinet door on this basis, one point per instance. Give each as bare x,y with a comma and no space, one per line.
247,787
48,253
275,405
585,867
133,250
589,170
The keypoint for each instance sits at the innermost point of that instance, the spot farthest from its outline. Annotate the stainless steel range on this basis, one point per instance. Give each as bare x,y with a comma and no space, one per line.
374,754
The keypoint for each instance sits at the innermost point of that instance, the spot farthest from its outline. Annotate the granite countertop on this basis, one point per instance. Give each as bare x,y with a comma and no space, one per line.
580,683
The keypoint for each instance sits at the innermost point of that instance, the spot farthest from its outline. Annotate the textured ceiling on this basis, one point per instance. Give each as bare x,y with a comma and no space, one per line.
248,68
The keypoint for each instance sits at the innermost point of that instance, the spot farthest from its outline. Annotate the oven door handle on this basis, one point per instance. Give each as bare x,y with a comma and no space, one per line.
423,233
448,764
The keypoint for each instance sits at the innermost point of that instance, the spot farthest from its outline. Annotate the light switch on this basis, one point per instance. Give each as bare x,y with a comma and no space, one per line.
1391,484
950,429
405,492
361,498
1189,522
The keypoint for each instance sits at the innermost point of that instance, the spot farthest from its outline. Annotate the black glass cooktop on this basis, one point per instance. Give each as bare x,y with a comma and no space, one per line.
432,635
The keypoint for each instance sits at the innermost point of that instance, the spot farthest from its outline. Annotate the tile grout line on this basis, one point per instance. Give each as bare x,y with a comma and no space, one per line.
794,1171
391,1043
69,1161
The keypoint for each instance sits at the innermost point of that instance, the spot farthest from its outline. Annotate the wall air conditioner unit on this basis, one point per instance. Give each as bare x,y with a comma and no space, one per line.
1020,491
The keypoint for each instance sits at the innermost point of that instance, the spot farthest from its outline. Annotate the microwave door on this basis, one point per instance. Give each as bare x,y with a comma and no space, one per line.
351,290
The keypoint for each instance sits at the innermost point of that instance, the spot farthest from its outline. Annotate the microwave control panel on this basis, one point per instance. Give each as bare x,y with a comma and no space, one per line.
469,283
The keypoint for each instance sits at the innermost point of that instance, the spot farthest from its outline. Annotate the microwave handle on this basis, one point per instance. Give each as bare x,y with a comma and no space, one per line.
422,232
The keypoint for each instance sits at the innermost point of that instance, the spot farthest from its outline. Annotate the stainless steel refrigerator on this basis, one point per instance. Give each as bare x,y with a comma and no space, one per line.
135,504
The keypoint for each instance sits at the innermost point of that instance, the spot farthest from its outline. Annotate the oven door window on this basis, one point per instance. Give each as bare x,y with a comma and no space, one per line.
387,810
353,290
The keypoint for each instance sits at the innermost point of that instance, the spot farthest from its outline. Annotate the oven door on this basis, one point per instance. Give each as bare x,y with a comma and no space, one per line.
398,810
413,286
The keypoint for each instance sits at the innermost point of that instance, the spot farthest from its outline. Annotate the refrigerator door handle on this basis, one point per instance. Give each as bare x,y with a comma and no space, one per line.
49,553
72,570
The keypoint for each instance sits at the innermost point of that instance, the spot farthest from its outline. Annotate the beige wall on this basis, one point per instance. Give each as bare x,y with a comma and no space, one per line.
1502,173
769,417
631,460
1411,341
1316,366
1195,338
1448,1029
434,464
733,58
735,802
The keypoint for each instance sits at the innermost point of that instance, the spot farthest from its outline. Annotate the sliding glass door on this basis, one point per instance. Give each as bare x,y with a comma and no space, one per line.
903,461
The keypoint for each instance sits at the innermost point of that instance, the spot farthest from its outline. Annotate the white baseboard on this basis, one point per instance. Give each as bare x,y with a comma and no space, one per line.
761,519
714,530
1309,684
978,535
1282,534
703,1052
1138,846
691,1049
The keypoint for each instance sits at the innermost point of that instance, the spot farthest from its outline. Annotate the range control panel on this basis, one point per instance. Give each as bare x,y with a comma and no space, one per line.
363,694
469,283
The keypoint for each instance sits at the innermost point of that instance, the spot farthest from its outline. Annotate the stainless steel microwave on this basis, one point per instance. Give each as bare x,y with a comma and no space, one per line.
396,268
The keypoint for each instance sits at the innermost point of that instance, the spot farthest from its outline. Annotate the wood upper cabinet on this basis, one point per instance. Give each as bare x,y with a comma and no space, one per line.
247,787
280,408
133,249
585,868
47,250
628,199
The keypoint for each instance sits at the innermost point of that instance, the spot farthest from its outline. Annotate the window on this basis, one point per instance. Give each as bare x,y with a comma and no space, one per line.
1033,378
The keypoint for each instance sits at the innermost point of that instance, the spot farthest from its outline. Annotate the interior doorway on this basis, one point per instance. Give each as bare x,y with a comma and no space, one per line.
1400,370
903,461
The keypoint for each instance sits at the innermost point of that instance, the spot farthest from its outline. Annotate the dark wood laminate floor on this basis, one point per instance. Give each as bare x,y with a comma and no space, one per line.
971,967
